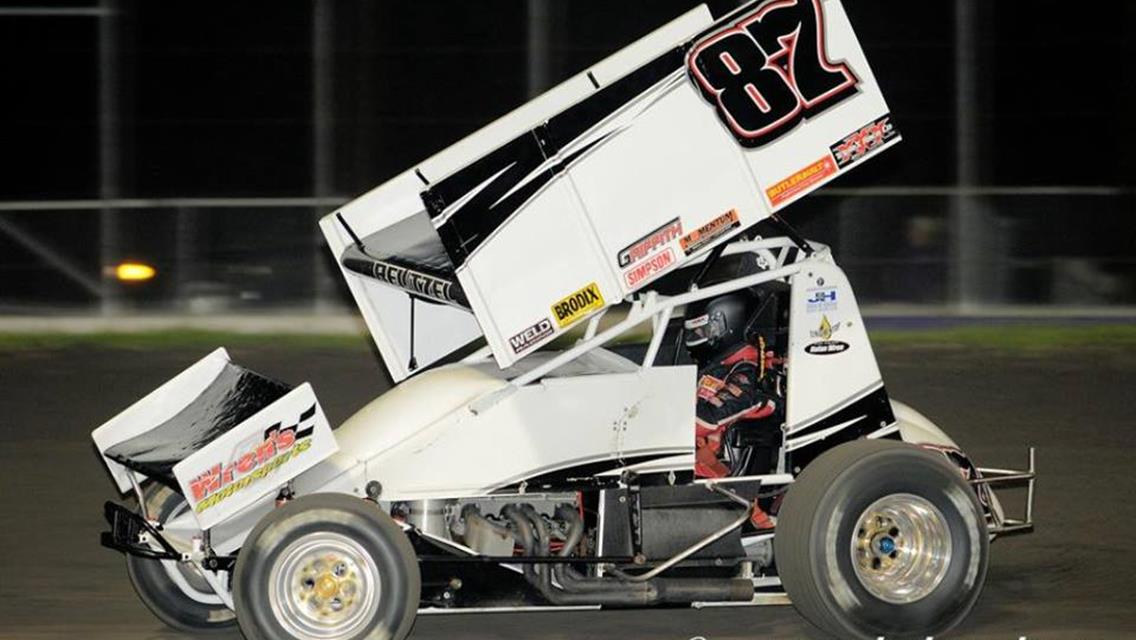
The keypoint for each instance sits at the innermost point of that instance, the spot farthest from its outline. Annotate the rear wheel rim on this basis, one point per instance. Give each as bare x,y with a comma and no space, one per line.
324,585
901,548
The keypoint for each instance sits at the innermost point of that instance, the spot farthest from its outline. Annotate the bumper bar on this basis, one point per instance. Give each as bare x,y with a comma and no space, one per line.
1000,524
132,534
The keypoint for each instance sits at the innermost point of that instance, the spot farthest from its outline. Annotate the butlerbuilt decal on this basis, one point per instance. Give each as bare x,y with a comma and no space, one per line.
648,244
802,181
709,232
577,305
531,336
223,479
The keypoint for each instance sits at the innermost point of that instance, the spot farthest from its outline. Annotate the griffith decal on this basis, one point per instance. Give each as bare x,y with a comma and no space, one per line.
223,479
771,71
802,181
650,269
532,336
862,142
650,243
577,305
705,235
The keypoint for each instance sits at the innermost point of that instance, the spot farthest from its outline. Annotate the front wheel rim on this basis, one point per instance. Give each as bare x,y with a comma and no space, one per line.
324,585
901,548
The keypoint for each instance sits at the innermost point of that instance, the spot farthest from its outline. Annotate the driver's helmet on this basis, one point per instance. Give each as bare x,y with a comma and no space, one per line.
715,324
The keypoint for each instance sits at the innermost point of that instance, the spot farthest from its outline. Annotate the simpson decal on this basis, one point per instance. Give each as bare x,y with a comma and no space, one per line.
802,181
859,144
532,336
771,71
650,243
709,232
251,464
650,268
577,305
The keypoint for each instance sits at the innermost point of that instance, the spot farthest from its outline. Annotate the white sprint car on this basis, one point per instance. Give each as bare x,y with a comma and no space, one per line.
537,452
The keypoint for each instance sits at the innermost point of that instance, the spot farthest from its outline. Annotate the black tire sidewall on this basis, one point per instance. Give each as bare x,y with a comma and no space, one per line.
360,521
158,592
943,488
829,502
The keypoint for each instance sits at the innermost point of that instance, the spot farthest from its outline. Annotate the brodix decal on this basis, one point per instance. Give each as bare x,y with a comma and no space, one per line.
577,305
221,481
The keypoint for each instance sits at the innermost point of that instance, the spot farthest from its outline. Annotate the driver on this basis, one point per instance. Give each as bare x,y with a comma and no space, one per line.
731,366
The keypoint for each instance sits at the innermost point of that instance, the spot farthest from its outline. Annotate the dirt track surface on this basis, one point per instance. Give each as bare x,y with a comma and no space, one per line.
1071,579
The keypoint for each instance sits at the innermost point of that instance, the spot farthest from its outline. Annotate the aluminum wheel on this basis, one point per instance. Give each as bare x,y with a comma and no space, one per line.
901,549
325,585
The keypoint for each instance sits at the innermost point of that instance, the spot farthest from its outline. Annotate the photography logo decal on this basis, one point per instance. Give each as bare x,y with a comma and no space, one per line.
577,305
650,243
531,336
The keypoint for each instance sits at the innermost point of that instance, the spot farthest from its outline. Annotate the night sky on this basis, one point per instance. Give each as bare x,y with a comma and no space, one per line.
216,97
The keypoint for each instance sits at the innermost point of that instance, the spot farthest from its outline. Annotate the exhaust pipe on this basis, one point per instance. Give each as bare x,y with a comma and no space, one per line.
574,589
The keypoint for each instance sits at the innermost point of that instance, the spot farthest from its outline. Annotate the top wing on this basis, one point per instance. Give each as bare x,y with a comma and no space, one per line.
632,169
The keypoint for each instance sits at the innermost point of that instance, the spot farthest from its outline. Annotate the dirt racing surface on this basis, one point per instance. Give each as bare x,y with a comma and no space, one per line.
1073,578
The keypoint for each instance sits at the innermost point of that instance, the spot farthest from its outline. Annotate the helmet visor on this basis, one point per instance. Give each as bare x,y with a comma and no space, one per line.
705,329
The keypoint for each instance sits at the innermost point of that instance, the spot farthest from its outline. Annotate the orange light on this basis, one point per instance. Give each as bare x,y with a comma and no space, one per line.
134,272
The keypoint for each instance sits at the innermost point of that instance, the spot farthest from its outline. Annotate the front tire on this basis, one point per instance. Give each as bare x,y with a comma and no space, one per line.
881,538
329,566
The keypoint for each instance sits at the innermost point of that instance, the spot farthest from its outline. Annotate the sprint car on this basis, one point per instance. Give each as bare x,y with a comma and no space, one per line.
526,290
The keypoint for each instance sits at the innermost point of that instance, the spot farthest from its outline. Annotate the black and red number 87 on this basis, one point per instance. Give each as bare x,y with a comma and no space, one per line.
770,71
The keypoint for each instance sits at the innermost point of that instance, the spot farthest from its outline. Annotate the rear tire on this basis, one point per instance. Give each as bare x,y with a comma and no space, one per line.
156,589
330,566
881,538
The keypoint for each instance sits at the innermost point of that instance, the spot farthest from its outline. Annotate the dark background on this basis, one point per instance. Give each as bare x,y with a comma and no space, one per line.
215,100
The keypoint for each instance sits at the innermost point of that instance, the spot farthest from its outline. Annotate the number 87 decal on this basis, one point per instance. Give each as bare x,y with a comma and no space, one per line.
771,71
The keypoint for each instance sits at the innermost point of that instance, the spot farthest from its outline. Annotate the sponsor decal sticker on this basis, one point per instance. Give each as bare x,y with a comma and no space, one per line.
821,299
826,329
859,144
531,336
709,232
411,280
826,348
577,305
252,464
650,268
650,243
802,181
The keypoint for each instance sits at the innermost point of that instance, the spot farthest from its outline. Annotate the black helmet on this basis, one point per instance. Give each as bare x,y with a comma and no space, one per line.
718,323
